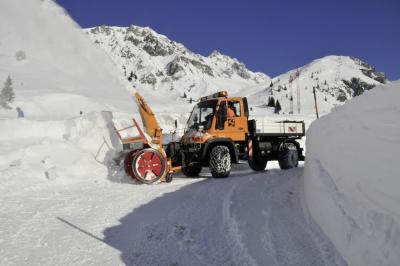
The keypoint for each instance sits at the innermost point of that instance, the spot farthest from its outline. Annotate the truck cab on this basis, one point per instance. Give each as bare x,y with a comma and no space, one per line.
218,116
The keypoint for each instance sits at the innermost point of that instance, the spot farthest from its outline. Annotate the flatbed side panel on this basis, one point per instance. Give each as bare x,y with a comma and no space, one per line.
280,128
280,135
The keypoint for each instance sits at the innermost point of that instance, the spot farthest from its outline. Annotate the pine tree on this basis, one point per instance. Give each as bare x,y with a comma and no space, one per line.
271,85
7,95
184,95
278,107
130,76
271,102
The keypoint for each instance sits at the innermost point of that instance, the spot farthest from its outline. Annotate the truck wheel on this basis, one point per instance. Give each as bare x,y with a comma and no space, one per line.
191,171
257,164
220,162
173,152
289,158
168,178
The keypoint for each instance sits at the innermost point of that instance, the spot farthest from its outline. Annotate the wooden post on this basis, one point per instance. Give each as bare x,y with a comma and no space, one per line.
315,101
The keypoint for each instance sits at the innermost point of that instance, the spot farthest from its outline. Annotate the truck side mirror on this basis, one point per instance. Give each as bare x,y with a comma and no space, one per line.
221,116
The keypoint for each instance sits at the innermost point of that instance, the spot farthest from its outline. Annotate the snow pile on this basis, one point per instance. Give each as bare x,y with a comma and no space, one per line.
352,177
55,69
36,152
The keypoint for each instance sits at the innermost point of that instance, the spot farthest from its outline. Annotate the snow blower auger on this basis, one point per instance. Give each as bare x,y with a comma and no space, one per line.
145,159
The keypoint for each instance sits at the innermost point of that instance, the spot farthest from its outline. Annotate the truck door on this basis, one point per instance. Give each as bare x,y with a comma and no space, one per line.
234,126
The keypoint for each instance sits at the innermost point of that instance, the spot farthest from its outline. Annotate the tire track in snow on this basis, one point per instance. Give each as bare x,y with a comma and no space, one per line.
269,222
242,256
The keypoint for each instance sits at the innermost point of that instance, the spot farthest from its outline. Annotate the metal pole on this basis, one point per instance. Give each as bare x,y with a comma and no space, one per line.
315,100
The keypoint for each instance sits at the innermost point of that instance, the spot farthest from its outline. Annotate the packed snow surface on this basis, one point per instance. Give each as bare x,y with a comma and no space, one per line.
201,221
352,176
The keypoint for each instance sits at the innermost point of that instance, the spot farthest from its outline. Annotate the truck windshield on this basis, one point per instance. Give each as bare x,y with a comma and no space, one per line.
202,115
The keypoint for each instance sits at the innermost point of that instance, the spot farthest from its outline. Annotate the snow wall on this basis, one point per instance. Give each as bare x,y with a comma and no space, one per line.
352,176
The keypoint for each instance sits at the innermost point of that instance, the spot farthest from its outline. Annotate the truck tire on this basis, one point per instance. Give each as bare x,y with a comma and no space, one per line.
168,178
191,171
173,152
257,164
289,158
220,162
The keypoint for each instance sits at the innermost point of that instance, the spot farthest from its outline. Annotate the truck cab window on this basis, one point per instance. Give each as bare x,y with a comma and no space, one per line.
233,108
202,114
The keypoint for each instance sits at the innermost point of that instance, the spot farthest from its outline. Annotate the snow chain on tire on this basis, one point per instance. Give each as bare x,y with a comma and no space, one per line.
220,162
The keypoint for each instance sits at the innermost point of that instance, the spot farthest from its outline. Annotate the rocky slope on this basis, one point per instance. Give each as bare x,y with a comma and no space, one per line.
165,71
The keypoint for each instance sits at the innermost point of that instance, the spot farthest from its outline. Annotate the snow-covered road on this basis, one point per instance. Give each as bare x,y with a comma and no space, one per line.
247,219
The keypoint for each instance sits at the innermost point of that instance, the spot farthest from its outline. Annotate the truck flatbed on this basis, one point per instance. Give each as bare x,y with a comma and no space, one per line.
287,128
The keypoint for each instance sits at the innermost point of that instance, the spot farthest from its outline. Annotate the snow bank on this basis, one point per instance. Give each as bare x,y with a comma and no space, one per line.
352,176
35,152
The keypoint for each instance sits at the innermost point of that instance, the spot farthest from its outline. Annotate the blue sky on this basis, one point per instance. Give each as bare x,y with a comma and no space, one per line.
268,36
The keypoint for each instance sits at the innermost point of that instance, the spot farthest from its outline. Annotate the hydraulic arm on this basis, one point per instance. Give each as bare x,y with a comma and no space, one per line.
149,120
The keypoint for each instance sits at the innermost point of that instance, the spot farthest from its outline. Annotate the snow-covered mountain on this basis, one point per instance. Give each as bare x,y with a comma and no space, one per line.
336,79
166,72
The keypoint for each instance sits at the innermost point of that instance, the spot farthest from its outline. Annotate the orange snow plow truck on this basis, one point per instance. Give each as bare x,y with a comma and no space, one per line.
218,134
